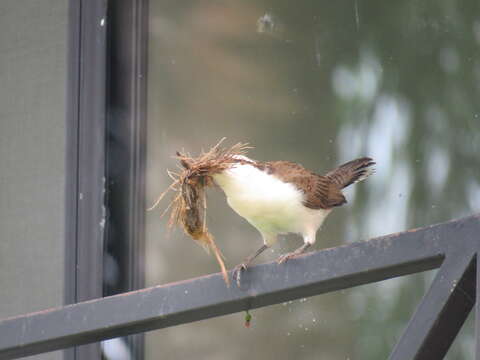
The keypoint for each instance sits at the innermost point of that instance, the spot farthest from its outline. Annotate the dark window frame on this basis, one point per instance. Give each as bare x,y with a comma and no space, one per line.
105,152
85,185
126,137
126,148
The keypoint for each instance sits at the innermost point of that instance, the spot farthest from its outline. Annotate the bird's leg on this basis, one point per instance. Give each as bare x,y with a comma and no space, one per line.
297,252
237,271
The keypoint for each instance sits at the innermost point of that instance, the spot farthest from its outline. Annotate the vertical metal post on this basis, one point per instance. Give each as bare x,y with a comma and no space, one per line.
126,147
86,112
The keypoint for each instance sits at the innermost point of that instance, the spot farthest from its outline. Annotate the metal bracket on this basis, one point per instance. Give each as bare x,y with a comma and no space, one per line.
453,246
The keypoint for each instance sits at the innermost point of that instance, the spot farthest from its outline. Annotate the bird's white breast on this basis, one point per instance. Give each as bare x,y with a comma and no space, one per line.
268,203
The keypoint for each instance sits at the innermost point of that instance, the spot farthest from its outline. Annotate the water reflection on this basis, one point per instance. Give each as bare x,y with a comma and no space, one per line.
318,83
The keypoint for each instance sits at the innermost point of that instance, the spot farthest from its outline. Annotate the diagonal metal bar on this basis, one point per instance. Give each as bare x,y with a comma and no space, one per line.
477,308
442,312
205,297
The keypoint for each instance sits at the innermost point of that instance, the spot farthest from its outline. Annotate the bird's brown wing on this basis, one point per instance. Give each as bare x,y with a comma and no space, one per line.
320,191
352,172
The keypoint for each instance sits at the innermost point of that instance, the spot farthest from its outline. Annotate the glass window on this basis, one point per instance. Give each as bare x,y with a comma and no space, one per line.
319,83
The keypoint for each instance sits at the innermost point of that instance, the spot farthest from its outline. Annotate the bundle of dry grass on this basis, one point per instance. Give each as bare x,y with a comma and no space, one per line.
189,206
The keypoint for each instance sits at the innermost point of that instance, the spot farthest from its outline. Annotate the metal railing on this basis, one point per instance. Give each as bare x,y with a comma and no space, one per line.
453,246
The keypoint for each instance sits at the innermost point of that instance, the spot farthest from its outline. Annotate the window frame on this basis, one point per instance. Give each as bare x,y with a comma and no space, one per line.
85,164
126,125
126,147
102,76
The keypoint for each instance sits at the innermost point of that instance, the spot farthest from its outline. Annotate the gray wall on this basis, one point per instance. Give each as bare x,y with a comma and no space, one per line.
33,49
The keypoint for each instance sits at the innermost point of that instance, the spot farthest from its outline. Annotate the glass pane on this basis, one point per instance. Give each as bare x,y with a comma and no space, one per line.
319,83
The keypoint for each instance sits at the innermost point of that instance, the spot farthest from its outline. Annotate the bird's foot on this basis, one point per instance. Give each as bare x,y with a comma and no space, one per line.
293,254
286,257
237,272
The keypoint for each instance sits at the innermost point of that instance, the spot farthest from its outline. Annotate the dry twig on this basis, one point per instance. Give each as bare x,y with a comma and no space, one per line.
189,206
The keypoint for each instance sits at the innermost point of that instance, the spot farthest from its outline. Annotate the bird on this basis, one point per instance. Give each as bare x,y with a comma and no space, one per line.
280,197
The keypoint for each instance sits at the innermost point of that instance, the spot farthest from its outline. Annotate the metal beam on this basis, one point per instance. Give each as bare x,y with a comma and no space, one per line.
442,311
207,296
477,308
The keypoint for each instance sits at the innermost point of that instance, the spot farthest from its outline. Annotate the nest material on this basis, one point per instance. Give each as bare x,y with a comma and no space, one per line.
189,206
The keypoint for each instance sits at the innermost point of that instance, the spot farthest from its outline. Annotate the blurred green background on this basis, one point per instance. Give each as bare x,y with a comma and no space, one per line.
319,83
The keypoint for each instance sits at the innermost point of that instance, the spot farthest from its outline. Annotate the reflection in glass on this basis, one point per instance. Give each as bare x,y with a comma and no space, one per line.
318,83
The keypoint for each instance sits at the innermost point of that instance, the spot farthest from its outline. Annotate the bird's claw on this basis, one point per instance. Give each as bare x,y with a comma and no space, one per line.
237,272
286,257
293,254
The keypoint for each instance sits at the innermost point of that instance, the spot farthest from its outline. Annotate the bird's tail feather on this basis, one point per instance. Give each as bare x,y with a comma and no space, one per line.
352,172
